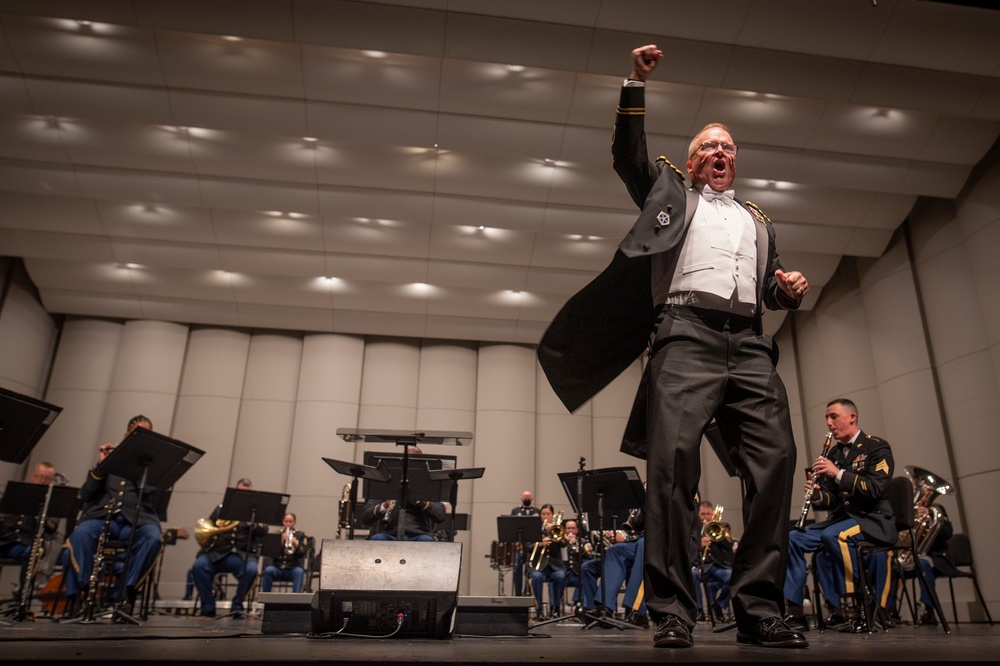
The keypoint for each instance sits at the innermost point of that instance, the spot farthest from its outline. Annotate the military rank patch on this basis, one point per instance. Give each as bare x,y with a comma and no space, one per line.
663,218
882,466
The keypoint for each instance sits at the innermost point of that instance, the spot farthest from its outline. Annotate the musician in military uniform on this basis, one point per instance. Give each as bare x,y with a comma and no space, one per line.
17,533
546,564
111,501
623,563
525,508
228,551
852,483
382,516
713,564
289,565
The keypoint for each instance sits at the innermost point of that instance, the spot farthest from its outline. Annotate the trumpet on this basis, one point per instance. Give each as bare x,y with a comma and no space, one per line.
807,502
288,541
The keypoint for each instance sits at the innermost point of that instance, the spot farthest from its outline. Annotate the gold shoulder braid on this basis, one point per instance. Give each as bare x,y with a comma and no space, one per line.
758,213
680,174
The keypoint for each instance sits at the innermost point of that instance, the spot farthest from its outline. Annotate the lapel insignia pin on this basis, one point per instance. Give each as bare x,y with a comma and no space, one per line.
663,218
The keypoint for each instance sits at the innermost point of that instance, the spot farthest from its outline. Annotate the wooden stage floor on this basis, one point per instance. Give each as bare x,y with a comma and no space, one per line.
178,639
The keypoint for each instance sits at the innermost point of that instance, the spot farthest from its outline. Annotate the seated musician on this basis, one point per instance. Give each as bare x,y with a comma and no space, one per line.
574,555
109,503
289,565
851,482
227,551
713,564
17,533
546,564
525,508
382,517
623,563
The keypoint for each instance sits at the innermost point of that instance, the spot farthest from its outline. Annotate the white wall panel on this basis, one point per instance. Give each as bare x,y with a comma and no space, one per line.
208,404
81,377
327,399
264,432
389,381
27,339
146,376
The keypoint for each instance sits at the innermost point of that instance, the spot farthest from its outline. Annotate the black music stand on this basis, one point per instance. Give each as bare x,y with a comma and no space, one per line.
252,507
521,530
23,421
147,459
610,492
454,476
406,439
358,471
45,501
168,537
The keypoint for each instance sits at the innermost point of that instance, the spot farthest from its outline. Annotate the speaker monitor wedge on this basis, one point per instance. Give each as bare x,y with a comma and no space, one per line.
383,588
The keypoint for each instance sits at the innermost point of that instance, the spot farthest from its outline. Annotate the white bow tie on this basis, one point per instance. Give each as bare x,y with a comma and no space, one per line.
729,196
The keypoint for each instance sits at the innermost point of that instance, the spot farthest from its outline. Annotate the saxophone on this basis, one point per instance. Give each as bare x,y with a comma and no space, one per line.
344,511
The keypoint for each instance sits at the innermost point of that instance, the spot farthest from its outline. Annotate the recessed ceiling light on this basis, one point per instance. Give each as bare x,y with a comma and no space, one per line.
515,68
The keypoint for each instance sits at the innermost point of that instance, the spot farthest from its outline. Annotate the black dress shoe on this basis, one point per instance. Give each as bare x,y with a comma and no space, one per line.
835,618
797,622
637,619
672,632
928,617
772,632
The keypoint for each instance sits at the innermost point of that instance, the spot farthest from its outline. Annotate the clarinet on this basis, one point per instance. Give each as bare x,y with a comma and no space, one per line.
95,575
808,500
34,559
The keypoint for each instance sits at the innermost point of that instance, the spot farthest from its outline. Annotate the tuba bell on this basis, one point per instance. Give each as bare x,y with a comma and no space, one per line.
927,487
207,531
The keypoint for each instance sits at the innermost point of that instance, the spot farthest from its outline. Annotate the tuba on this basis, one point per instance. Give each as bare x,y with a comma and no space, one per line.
207,531
926,488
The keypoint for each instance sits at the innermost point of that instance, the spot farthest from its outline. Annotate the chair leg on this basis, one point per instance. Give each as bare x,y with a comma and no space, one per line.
954,607
982,602
933,592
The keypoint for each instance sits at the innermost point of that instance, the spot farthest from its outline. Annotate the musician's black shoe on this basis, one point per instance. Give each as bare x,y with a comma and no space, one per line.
701,617
835,619
797,622
772,632
671,632
637,619
928,617
210,613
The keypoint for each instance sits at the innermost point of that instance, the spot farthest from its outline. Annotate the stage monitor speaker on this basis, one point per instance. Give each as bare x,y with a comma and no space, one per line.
382,588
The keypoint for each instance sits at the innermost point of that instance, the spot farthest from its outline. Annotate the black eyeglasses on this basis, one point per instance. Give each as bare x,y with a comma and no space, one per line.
712,146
